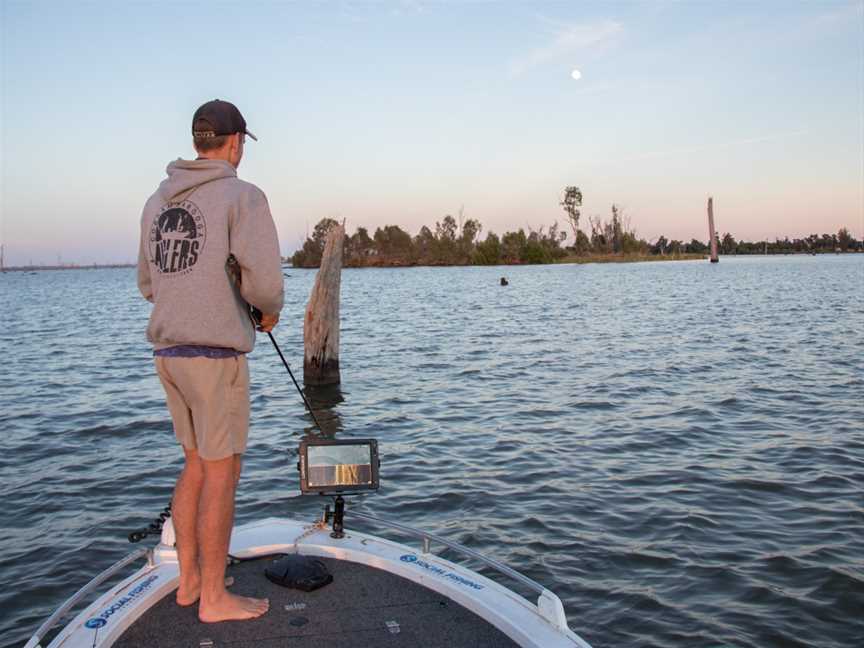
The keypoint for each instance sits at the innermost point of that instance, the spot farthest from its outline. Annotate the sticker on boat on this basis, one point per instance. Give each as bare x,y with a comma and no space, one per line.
102,620
413,559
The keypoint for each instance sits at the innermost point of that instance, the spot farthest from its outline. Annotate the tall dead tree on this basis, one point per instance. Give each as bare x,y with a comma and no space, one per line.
571,203
711,233
321,324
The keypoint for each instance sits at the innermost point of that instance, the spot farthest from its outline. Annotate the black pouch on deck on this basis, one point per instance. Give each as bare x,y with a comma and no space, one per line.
298,572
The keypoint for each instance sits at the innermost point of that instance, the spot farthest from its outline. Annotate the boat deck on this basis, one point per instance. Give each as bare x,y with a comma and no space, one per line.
363,607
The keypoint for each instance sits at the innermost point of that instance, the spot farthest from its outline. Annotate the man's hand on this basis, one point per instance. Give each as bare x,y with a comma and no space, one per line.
268,322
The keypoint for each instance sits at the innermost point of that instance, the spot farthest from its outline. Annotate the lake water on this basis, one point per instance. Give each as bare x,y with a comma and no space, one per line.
675,448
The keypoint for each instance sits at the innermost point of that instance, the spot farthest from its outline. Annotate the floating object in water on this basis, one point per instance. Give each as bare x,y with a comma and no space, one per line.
504,281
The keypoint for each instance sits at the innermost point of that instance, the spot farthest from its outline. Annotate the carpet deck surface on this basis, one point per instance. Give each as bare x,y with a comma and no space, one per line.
363,607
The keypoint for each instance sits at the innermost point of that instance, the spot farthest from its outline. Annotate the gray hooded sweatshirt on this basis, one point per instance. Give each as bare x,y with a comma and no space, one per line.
208,248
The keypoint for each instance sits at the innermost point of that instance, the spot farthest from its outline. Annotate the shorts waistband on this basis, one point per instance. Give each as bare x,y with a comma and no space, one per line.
197,351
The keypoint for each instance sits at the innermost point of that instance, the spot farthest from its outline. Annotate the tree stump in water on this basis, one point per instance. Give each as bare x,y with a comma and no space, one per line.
712,235
321,324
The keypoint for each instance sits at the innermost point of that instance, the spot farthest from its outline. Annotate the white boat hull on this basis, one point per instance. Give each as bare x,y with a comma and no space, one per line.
542,626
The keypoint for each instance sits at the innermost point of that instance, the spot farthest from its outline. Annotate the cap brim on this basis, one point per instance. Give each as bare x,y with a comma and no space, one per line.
251,135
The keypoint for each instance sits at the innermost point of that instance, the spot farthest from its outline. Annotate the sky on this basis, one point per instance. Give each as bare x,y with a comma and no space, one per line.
402,112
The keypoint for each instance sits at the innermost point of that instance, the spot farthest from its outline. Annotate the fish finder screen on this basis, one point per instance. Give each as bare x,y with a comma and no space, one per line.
343,466
339,465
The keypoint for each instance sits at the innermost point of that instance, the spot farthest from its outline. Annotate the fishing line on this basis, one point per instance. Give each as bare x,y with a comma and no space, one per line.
294,380
256,315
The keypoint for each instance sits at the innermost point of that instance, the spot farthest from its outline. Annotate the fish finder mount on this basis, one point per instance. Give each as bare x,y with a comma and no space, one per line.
338,467
337,515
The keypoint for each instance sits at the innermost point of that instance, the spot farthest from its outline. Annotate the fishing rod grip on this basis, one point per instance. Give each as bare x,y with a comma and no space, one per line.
256,315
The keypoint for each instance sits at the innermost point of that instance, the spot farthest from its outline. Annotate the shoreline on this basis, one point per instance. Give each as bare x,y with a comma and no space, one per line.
598,258
632,258
572,259
37,268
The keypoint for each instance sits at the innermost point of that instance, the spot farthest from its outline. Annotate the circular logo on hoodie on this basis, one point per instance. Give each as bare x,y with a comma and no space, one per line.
177,238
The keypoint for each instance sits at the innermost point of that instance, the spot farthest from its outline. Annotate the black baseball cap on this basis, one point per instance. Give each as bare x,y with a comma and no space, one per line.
217,118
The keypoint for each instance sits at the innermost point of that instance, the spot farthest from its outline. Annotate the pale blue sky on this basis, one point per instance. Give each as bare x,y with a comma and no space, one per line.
399,113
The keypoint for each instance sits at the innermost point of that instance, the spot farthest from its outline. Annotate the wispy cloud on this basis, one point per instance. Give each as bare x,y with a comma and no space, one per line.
713,147
567,41
367,12
840,16
407,7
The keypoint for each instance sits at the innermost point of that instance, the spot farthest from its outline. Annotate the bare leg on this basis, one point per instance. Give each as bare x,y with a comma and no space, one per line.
215,520
184,515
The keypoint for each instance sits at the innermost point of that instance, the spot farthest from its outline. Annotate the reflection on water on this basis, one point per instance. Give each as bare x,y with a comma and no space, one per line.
333,465
324,400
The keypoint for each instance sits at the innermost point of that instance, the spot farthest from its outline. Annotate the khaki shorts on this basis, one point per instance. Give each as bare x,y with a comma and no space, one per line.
209,402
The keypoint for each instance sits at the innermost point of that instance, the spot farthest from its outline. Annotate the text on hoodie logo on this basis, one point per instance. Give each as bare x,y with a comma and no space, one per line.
177,238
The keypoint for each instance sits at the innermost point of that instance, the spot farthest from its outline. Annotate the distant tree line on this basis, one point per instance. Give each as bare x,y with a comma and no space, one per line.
616,236
453,242
842,241
448,244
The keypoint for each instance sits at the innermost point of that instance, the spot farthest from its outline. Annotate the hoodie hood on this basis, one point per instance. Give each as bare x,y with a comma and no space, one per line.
184,176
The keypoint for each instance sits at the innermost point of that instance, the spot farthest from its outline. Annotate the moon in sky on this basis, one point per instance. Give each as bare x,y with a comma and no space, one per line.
576,74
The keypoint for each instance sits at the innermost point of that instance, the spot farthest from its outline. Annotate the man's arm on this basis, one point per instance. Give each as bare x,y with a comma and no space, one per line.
145,284
254,243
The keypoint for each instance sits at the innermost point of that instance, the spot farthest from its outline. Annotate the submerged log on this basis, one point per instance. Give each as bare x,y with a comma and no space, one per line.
321,324
711,234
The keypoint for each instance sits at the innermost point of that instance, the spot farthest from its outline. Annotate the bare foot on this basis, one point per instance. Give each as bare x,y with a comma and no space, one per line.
189,589
231,607
189,592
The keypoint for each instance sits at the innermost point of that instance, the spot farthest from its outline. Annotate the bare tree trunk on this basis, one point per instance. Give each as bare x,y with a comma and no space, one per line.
711,232
321,325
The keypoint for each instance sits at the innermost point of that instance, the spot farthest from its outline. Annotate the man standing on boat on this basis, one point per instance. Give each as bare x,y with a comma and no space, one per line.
208,250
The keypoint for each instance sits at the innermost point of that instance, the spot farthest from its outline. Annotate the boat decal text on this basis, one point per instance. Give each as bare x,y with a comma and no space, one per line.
411,558
102,620
295,606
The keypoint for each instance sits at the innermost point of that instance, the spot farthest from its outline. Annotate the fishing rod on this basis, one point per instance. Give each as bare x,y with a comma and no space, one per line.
255,314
